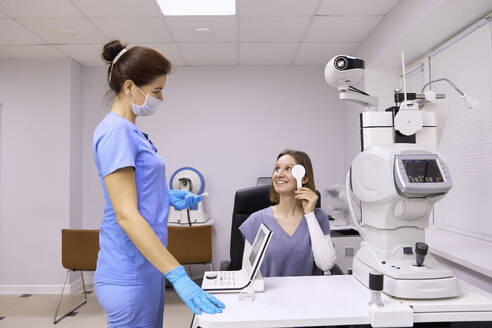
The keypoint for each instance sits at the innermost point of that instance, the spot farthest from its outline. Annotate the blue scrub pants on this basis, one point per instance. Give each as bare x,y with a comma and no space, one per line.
132,306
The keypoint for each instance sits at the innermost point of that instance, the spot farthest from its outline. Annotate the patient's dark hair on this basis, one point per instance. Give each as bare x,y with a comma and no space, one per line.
142,65
301,158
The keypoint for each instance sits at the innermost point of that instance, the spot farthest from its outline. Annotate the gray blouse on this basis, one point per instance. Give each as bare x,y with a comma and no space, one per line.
286,255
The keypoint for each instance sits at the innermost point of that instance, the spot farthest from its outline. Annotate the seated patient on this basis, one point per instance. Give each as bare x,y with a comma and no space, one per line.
301,243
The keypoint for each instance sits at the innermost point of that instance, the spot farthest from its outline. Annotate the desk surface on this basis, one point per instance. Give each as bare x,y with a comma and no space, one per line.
209,222
333,300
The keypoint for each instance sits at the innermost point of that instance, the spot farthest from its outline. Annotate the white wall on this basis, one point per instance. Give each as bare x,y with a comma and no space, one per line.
38,184
76,131
229,123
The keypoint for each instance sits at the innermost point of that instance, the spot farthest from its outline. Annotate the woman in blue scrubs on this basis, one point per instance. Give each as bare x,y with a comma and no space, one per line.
301,243
133,258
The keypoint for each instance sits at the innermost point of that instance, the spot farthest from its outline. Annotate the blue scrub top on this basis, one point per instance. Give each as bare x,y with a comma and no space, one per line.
286,255
118,143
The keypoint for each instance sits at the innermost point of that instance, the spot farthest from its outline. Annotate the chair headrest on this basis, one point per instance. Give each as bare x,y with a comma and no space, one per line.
252,199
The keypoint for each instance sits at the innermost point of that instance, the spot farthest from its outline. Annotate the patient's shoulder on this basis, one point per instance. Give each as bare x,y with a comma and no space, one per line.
251,225
258,217
262,214
320,214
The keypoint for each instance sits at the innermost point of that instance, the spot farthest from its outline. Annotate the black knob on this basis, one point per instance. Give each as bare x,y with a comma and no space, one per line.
421,248
376,281
421,251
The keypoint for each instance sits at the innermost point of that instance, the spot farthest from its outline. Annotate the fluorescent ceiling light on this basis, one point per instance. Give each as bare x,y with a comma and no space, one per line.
197,7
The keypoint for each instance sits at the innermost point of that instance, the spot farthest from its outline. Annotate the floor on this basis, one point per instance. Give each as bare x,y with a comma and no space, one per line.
37,311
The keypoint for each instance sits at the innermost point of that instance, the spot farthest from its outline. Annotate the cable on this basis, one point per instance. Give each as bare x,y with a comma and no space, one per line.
192,320
357,90
189,219
445,80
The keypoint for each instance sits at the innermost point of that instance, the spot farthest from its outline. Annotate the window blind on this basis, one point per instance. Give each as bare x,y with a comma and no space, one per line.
467,136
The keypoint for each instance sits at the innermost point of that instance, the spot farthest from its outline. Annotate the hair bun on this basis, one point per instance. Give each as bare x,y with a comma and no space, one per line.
111,50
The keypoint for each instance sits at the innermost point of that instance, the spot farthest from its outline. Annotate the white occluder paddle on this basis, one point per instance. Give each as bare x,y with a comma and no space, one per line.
298,172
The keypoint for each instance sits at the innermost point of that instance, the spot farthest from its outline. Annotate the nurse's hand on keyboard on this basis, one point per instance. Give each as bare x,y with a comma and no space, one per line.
181,199
193,296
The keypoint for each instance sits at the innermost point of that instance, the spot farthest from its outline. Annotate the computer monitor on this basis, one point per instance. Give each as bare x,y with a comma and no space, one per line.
260,237
220,282
259,248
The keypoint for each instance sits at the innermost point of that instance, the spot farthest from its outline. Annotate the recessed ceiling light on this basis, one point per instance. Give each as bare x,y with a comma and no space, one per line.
197,7
202,30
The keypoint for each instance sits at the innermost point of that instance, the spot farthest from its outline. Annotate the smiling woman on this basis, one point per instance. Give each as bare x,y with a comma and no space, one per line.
289,158
301,243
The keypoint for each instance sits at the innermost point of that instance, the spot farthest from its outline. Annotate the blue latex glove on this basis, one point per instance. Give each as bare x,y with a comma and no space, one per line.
181,199
193,296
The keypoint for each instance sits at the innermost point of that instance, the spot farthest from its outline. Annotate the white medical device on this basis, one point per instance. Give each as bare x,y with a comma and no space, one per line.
192,180
336,206
393,185
298,172
235,281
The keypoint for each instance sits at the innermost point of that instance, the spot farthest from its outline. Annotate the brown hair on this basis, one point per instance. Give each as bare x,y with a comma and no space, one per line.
303,159
142,65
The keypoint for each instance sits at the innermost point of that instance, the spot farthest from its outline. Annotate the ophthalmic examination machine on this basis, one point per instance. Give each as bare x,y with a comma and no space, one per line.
393,184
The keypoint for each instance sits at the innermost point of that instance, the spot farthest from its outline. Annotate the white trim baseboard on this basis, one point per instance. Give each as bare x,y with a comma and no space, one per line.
72,287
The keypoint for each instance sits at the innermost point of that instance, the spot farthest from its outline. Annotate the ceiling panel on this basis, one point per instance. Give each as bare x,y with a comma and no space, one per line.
36,8
264,32
223,28
356,7
134,29
264,63
276,7
209,51
50,28
267,51
320,63
83,52
341,28
212,62
324,51
92,64
278,29
118,8
32,51
15,33
170,50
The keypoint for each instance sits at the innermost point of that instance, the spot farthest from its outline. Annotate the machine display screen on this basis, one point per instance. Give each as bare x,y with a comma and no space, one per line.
422,170
257,246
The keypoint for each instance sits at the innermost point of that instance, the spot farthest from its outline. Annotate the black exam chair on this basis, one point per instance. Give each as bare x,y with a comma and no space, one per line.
246,202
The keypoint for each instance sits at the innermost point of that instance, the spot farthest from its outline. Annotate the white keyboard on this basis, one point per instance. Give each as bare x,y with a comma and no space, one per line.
222,279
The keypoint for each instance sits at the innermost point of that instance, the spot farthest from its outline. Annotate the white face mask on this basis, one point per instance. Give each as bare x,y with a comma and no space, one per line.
149,106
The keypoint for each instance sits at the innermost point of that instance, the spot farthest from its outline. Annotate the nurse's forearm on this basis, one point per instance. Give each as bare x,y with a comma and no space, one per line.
147,243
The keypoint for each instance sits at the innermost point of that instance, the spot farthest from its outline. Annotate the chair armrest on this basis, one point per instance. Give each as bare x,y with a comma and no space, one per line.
225,265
